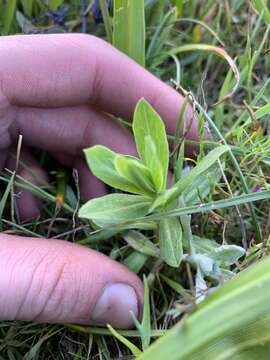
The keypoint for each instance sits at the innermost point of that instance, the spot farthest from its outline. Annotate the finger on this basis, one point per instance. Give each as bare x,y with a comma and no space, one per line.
82,69
27,204
69,130
57,282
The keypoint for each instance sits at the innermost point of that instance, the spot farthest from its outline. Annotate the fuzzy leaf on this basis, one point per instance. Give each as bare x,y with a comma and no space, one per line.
227,254
115,209
101,161
141,243
151,141
170,241
136,173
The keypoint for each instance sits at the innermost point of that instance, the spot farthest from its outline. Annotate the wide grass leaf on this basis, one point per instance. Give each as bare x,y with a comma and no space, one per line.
151,142
170,241
129,28
233,321
9,15
115,209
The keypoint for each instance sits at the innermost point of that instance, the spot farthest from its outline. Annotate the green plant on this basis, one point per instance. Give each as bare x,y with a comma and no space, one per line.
145,180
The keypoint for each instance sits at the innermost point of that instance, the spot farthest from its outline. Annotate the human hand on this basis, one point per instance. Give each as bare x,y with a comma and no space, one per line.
58,91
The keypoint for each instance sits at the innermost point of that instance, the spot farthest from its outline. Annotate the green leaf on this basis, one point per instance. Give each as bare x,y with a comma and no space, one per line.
144,327
129,29
136,173
230,323
106,19
227,254
135,261
201,185
4,198
54,4
101,161
141,243
133,348
261,6
27,6
151,142
24,23
9,15
183,183
114,209
170,241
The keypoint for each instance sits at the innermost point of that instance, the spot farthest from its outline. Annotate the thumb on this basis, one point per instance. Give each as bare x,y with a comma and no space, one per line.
56,281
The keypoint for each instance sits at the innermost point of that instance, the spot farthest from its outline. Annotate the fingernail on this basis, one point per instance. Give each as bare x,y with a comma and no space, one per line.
115,305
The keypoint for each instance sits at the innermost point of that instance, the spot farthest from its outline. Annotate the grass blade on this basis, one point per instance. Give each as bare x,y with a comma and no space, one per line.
9,15
129,29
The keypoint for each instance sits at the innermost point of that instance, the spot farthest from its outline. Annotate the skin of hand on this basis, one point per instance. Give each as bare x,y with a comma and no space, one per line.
60,92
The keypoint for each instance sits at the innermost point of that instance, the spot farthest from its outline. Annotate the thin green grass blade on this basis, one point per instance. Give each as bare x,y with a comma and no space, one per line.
129,29
3,201
214,205
106,19
133,348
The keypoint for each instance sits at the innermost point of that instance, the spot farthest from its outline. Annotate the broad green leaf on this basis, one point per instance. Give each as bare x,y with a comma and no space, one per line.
114,209
170,241
183,183
129,28
136,173
101,161
154,164
230,323
204,246
227,254
151,142
141,243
